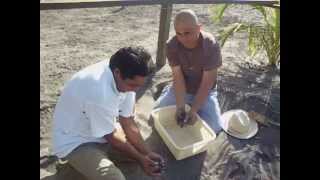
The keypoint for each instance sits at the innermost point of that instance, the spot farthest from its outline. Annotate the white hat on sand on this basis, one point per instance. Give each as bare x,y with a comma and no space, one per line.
238,124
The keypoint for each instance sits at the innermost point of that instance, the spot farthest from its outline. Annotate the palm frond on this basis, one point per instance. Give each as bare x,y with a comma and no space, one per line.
277,27
229,31
267,13
261,36
218,11
261,9
252,45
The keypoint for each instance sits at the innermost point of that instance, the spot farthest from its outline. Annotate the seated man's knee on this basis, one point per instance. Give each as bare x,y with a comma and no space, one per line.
107,171
113,174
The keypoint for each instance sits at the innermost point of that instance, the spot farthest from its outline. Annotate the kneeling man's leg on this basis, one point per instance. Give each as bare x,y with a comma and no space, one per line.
94,163
210,112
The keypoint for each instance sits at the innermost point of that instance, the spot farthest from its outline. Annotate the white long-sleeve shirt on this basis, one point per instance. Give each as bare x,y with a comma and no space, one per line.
88,107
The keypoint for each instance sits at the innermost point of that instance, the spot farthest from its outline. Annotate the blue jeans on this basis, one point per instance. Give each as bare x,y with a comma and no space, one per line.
210,110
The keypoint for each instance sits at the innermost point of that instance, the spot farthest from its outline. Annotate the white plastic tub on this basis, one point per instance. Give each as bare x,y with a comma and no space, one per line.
182,142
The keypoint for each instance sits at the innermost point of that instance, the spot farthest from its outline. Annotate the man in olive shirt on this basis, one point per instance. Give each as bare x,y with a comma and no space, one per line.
194,57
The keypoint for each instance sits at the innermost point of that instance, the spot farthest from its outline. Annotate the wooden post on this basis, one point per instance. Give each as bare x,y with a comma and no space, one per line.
165,18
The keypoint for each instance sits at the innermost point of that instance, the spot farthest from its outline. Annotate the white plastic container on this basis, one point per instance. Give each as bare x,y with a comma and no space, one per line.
182,142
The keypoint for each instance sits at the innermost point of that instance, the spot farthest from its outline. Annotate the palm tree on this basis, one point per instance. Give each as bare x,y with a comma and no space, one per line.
261,36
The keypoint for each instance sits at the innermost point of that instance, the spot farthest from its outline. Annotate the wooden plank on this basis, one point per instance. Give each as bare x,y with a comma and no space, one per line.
165,19
223,1
69,4
72,4
269,3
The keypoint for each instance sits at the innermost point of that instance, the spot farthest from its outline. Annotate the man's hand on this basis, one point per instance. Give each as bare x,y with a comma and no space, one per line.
152,164
191,117
159,161
181,116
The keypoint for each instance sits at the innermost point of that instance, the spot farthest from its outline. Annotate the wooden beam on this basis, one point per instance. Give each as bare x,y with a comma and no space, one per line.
269,3
69,4
165,19
277,6
223,1
72,4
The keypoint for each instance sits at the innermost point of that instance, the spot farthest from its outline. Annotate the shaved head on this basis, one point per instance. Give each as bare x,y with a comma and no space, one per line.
187,17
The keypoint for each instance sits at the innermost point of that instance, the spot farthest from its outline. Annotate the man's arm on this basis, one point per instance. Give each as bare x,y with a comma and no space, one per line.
179,86
208,80
118,140
133,134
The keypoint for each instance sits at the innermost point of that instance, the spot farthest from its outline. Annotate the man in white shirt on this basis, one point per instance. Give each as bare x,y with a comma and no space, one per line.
85,117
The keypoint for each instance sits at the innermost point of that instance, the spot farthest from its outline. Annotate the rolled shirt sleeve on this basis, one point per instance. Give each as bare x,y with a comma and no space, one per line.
126,107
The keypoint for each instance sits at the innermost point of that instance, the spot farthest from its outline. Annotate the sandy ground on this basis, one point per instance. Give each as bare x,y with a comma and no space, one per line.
73,39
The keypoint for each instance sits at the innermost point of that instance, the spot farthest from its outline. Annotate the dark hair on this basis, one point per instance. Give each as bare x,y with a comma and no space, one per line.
131,61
